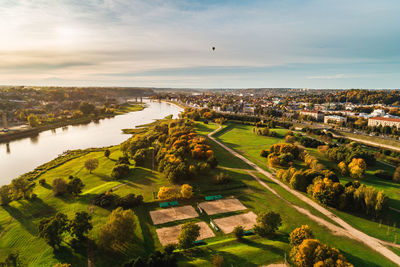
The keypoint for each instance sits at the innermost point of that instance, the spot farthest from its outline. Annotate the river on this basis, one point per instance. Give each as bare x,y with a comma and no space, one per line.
23,155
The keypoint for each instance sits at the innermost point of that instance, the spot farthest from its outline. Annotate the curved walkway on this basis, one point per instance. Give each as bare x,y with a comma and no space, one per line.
347,229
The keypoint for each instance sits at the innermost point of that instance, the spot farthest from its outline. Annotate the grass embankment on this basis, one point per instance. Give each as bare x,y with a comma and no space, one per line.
242,139
368,139
14,135
18,231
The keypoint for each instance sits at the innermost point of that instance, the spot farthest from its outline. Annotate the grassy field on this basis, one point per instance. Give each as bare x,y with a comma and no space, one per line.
18,222
237,137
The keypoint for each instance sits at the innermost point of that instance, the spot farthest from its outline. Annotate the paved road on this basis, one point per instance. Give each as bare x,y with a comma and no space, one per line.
347,229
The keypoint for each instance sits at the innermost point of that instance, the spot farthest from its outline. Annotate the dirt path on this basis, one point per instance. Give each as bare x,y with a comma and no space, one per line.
347,229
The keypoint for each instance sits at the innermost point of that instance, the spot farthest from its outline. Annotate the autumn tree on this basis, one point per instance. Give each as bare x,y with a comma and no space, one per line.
167,192
299,234
189,233
267,223
91,164
186,191
396,175
343,168
357,168
312,252
118,231
33,120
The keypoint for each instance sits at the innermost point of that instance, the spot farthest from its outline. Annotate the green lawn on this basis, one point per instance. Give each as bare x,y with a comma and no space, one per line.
18,222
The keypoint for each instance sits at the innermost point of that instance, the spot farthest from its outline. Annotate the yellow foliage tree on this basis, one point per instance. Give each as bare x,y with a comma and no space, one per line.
343,168
186,191
167,192
357,168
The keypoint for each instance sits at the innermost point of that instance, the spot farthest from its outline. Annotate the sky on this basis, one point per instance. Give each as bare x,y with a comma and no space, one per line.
162,43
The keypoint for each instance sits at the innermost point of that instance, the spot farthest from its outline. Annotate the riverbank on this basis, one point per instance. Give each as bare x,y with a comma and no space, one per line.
11,136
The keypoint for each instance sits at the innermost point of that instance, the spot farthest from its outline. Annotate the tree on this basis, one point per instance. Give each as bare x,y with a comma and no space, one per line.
396,175
118,231
75,186
218,260
59,186
107,153
312,252
33,120
12,260
139,157
81,225
91,164
5,195
299,234
62,265
21,187
86,108
238,232
186,191
189,233
267,223
357,168
167,192
343,168
51,229
120,171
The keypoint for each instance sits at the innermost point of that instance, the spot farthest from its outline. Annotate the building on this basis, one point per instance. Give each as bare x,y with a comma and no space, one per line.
318,116
335,119
383,121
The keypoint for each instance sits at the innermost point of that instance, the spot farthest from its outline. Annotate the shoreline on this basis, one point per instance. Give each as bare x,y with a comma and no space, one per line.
6,138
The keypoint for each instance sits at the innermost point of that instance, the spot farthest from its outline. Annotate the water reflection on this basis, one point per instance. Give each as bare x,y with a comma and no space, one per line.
29,153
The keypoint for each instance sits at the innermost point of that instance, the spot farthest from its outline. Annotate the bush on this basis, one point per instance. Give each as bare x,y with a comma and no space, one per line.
104,200
59,187
139,157
238,232
189,233
264,153
123,160
267,223
222,178
120,171
42,182
129,201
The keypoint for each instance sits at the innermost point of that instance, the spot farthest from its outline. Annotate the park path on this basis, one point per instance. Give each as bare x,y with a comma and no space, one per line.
347,229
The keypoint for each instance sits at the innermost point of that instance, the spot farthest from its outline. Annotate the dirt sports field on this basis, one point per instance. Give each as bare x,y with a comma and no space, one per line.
169,235
222,206
227,224
173,214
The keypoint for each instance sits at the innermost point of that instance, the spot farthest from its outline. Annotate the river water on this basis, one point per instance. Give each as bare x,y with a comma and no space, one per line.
24,155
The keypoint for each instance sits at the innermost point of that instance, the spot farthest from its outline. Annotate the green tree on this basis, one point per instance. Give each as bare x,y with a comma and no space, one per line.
120,171
118,231
81,225
5,195
59,186
91,164
86,108
189,233
75,186
238,232
299,234
51,229
107,153
267,223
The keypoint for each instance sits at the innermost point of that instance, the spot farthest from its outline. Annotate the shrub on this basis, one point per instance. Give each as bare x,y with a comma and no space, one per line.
107,153
104,200
264,153
42,182
129,201
166,193
120,171
222,178
189,233
59,187
186,191
238,232
267,223
123,160
396,175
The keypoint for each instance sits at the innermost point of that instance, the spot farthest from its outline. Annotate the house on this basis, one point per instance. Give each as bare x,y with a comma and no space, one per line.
335,119
317,115
383,121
